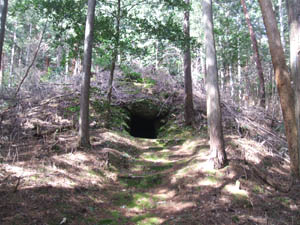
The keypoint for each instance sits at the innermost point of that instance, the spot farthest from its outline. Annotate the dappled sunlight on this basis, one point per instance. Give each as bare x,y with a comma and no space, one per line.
235,189
164,193
18,170
127,180
176,206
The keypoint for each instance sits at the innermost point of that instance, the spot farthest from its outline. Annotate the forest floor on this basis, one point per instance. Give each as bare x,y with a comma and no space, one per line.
45,179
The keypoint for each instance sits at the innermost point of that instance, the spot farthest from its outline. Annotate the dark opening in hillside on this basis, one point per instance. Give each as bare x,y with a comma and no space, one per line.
143,127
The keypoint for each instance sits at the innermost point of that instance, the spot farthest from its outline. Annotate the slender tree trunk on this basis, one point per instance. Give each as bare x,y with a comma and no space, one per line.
240,83
47,63
214,116
12,57
156,55
77,63
262,93
20,53
231,82
84,136
293,7
188,101
283,83
113,64
2,68
28,46
3,14
281,23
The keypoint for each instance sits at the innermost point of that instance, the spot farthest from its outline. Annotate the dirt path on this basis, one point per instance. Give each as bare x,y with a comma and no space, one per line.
123,180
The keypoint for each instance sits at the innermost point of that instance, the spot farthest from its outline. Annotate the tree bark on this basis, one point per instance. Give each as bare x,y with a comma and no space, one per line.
188,86
281,23
28,46
113,64
84,137
12,57
283,83
262,94
3,14
293,7
214,116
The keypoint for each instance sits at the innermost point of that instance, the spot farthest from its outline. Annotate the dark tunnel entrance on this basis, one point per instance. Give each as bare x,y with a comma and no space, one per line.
143,127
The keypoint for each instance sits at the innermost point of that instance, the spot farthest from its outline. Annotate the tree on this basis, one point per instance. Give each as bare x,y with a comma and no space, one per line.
214,115
293,7
188,101
262,94
84,137
283,83
3,13
113,61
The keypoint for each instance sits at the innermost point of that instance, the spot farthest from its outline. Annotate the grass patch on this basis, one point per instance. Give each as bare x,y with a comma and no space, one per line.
158,148
116,219
161,167
142,201
156,156
146,219
284,200
121,198
212,179
258,189
105,221
235,219
96,172
145,182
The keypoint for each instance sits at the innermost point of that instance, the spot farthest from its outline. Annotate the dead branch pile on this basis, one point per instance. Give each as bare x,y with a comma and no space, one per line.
257,124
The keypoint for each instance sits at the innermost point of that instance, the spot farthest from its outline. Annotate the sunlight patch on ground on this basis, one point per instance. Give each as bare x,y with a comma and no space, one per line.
235,190
208,181
19,171
164,193
161,156
173,206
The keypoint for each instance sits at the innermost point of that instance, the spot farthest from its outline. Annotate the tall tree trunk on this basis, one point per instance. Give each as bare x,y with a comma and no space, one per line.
3,13
28,46
12,56
283,83
231,81
156,55
240,83
188,86
77,64
214,116
84,136
294,24
281,23
113,62
262,93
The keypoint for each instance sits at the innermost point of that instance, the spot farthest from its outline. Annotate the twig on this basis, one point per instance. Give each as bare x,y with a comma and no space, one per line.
34,58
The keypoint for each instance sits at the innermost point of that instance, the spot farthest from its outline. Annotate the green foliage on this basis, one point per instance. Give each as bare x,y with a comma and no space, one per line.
119,115
131,75
73,108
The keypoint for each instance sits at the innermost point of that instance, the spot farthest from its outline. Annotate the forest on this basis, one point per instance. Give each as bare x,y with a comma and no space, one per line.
149,112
